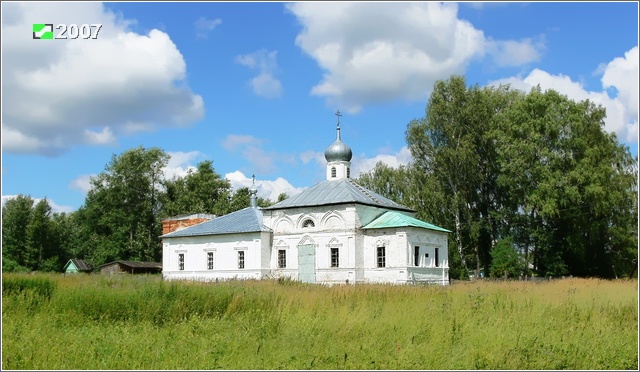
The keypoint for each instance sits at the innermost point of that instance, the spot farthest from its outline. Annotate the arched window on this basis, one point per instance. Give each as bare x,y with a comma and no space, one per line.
335,257
333,172
308,223
348,172
381,256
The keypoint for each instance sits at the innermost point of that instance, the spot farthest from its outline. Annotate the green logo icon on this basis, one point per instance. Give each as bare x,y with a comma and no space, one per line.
43,30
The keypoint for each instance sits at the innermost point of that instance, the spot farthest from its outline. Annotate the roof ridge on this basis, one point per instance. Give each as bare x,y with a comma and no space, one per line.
341,191
367,192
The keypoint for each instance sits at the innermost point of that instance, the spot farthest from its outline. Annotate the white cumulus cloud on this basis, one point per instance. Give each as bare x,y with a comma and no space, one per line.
82,183
204,26
269,189
265,83
376,52
508,53
622,108
316,156
105,136
253,151
180,163
60,94
480,5
55,208
622,74
363,164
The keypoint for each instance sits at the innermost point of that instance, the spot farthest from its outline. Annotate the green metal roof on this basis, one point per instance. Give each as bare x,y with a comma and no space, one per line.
397,219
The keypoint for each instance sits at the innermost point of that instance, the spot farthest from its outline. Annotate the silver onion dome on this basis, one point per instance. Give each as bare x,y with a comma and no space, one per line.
338,151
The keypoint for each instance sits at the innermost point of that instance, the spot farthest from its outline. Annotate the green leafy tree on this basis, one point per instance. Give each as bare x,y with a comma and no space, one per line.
40,240
241,198
394,183
264,202
568,184
82,239
70,242
16,214
30,240
281,197
506,262
200,191
537,167
453,146
122,208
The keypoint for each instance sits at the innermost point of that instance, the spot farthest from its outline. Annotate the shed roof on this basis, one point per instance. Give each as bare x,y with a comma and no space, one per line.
340,191
242,221
136,264
397,219
81,265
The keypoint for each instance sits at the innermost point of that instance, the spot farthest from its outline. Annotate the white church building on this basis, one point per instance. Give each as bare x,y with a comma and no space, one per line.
335,232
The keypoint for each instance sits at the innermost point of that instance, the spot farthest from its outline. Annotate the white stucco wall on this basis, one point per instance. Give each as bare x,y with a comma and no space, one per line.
225,250
334,227
399,246
338,226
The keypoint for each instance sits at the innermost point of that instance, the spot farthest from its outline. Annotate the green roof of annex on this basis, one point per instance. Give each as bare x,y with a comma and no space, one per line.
396,219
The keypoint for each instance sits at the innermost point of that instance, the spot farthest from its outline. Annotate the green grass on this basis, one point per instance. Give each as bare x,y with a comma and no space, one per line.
141,322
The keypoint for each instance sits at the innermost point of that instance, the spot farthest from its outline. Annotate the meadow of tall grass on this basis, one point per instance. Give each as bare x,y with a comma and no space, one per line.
140,322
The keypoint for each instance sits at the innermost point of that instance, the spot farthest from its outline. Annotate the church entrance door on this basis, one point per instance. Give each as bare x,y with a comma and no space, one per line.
307,263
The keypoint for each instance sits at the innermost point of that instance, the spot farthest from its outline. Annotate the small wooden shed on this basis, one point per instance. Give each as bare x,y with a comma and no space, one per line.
77,266
131,267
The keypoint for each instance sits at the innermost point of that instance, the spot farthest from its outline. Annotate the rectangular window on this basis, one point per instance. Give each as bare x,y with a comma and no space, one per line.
180,261
335,257
436,257
416,256
240,259
282,258
381,257
210,260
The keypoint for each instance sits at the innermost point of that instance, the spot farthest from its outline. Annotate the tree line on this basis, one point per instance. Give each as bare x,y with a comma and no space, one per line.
528,183
121,218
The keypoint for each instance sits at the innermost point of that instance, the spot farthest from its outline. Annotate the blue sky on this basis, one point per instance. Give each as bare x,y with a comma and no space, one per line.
254,86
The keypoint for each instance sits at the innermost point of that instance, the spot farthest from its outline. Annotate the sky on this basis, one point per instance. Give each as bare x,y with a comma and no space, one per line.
254,86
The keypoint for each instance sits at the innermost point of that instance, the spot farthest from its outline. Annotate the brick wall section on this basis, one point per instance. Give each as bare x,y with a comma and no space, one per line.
173,225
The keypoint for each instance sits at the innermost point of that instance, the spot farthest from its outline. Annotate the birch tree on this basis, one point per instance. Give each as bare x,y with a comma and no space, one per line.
122,207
